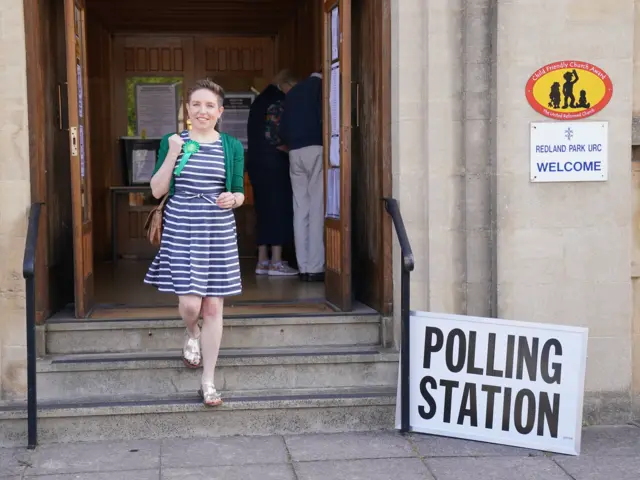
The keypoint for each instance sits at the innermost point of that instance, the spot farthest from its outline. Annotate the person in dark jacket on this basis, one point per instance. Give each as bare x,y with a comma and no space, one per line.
301,131
268,167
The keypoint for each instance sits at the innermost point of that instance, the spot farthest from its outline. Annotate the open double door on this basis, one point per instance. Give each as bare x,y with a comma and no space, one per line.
336,56
78,115
336,65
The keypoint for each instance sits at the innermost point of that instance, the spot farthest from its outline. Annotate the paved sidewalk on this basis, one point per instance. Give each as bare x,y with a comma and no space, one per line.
608,453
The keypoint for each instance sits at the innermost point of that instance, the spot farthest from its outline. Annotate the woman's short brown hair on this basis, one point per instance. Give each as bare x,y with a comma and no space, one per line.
207,84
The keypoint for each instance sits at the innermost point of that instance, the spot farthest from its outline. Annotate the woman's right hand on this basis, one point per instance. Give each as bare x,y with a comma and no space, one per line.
175,144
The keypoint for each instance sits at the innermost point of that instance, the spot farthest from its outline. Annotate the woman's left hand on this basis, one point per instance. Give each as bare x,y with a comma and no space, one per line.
226,200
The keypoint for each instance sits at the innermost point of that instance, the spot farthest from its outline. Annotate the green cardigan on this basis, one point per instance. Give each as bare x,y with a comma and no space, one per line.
233,162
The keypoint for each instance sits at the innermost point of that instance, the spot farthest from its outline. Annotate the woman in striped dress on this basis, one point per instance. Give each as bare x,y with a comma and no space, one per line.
203,172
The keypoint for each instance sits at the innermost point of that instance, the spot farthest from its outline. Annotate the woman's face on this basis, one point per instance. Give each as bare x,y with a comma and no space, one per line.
204,109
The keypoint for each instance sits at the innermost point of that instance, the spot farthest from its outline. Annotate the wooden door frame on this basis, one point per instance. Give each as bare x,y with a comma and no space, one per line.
387,160
37,154
33,22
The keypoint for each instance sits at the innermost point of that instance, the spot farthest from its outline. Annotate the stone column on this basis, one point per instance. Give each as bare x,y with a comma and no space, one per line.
476,30
14,198
563,249
428,170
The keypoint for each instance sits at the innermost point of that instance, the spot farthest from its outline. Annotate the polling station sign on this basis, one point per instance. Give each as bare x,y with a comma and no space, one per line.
506,382
569,151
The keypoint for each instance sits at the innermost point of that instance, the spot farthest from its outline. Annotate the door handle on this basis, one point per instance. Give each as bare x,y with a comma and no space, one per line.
357,102
59,107
357,105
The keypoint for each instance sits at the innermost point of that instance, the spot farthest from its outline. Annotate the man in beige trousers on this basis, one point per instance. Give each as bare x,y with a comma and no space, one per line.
301,130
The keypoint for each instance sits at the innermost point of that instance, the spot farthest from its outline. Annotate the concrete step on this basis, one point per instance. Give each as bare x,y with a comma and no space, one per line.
63,377
251,413
96,336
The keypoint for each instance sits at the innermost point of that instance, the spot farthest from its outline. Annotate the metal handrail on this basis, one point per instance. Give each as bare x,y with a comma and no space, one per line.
408,264
28,272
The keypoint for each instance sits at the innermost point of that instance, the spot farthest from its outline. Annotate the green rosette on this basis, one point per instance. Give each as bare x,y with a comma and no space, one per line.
189,148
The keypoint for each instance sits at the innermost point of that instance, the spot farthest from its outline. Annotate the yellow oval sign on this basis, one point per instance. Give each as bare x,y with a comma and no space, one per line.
569,90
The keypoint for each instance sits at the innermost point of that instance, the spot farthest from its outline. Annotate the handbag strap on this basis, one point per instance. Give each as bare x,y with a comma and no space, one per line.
164,200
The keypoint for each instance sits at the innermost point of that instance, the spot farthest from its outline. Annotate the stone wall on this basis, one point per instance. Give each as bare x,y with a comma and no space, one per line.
442,172
486,240
14,198
563,250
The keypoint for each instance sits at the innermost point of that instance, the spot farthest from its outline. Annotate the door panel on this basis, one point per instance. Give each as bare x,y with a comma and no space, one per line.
79,154
336,57
371,156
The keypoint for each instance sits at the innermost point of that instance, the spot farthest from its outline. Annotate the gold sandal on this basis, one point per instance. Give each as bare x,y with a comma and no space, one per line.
191,354
209,394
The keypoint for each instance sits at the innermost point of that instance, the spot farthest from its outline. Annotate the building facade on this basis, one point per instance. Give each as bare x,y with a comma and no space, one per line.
487,241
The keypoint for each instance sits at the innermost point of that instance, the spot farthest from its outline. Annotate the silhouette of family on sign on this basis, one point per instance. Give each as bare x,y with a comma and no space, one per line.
555,96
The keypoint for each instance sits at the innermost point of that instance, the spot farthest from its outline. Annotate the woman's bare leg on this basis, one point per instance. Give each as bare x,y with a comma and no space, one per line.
189,307
211,336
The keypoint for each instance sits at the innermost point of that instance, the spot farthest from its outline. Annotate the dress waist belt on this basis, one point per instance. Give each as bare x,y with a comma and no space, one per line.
209,197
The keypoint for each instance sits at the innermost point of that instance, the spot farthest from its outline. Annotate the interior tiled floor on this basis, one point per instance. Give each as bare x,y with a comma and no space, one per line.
122,284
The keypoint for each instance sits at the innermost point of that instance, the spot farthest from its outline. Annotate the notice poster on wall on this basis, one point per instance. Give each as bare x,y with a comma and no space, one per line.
82,154
335,34
143,163
334,99
497,381
334,108
80,90
236,115
333,193
156,109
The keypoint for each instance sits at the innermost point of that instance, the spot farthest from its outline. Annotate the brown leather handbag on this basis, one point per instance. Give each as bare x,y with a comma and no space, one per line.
153,224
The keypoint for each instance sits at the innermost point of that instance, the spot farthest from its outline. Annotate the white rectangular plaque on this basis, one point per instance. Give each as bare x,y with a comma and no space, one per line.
569,151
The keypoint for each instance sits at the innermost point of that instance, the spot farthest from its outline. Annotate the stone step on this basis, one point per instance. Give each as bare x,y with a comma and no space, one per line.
97,336
251,413
94,375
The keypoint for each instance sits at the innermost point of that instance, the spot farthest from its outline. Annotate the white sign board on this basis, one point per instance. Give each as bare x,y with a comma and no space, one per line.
236,115
569,151
156,109
497,381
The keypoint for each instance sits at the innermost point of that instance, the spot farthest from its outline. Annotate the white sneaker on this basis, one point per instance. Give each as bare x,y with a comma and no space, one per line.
282,269
262,268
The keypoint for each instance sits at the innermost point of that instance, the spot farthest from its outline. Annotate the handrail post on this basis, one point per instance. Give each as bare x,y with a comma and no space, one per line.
405,347
32,400
407,265
28,272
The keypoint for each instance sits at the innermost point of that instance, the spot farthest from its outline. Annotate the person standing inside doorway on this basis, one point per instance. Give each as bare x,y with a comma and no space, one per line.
202,171
301,131
268,169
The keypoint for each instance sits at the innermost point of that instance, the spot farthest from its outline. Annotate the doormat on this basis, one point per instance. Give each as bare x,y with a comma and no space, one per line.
240,310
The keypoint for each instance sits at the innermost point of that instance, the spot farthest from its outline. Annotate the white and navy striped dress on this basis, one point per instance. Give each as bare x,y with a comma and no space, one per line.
199,249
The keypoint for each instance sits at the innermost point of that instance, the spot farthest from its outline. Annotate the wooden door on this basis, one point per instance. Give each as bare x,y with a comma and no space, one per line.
78,114
336,59
371,154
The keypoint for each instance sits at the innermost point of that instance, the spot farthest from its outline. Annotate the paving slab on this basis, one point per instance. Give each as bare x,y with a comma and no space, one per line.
13,461
370,469
433,446
345,446
231,472
127,475
95,457
598,468
496,468
210,452
623,440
